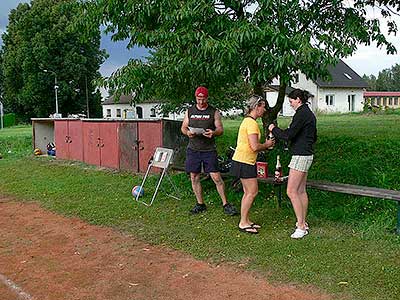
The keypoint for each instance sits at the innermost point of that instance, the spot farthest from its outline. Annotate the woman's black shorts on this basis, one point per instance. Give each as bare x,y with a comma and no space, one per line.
242,170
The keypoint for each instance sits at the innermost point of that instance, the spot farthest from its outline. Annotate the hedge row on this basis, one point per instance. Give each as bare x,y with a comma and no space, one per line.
9,120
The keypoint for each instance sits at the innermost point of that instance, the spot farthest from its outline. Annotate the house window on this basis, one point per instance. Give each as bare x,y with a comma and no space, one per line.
153,112
330,100
390,101
347,76
118,113
108,113
396,101
139,112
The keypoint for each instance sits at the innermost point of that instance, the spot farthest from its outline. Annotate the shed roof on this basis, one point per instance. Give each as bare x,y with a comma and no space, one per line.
381,94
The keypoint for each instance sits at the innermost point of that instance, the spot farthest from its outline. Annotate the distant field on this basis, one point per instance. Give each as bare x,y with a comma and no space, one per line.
16,141
16,131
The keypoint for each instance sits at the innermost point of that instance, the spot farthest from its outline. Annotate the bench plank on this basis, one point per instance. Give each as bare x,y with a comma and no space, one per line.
344,188
355,190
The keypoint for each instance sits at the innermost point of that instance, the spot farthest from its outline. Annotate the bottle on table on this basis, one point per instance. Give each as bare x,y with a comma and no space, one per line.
278,170
270,136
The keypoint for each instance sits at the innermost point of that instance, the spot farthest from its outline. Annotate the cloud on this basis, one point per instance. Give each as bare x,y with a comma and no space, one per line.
107,68
370,59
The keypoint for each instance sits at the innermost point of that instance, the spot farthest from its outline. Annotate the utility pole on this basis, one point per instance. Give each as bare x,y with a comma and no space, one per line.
87,97
1,114
55,87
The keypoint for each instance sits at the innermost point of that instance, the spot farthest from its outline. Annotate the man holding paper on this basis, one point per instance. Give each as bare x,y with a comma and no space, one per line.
201,124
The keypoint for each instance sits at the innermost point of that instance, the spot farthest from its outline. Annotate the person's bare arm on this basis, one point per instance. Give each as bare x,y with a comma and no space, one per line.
185,126
219,129
255,144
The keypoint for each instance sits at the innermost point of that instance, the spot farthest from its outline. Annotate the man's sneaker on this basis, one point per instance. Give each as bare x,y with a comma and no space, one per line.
299,233
230,210
198,208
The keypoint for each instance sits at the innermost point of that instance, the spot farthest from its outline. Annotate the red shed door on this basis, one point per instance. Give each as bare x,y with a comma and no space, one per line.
91,137
128,150
150,137
75,140
109,145
61,138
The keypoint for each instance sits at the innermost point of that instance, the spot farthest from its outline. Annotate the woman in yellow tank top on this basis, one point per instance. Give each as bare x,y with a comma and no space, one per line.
244,160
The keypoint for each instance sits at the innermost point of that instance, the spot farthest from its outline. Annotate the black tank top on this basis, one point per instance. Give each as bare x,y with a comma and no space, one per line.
202,119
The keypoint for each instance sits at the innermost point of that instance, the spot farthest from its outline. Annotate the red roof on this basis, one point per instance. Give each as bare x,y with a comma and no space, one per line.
381,94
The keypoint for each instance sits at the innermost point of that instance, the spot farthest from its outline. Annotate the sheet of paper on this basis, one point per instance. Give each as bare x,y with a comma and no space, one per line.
196,130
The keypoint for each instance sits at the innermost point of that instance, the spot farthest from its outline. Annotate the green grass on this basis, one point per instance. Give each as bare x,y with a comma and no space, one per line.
351,251
15,141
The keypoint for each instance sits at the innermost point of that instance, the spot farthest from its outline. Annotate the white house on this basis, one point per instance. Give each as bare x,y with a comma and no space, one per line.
125,110
344,93
146,110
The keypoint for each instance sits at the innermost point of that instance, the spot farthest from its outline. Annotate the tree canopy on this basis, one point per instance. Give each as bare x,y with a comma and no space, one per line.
387,80
227,44
40,36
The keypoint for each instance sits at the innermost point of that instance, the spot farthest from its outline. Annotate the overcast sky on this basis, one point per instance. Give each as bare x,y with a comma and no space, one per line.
367,60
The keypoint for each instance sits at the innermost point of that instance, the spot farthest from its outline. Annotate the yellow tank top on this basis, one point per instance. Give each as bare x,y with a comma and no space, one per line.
243,152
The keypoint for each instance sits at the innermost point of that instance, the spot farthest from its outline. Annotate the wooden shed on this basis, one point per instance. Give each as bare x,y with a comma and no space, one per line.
119,144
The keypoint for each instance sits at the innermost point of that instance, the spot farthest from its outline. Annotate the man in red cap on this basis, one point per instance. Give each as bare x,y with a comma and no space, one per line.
201,124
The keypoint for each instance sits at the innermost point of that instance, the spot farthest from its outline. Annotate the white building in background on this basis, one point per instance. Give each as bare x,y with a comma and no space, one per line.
146,110
343,94
124,110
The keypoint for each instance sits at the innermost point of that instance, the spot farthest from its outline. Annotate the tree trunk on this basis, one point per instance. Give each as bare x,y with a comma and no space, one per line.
271,115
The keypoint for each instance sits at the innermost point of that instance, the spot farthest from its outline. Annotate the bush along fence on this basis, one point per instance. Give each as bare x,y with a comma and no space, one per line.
9,120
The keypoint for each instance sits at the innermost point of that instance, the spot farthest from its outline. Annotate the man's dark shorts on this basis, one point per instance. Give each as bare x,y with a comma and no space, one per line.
242,170
195,159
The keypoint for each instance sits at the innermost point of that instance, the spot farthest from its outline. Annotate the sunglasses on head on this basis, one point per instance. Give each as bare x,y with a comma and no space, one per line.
260,100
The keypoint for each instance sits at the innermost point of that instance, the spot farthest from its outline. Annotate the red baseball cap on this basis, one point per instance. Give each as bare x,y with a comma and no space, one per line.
201,90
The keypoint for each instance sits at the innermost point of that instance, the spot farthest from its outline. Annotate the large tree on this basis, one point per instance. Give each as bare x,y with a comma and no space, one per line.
1,75
225,43
40,45
388,80
371,81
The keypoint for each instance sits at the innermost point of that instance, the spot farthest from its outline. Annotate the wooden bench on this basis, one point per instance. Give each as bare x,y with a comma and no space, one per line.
343,188
350,189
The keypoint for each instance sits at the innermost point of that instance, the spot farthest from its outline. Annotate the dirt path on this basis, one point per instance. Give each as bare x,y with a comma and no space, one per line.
48,256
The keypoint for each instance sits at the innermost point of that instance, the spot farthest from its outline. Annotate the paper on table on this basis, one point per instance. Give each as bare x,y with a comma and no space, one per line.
196,130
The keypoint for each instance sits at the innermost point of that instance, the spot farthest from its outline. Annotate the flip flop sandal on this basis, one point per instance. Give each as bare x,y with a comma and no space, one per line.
248,230
256,226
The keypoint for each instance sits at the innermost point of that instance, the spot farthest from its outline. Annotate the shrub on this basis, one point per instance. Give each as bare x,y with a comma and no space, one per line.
9,120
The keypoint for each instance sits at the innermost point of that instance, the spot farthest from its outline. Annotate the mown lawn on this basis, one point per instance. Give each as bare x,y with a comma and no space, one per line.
351,251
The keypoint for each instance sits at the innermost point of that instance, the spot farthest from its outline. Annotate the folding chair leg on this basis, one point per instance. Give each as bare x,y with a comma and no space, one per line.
174,187
143,181
157,187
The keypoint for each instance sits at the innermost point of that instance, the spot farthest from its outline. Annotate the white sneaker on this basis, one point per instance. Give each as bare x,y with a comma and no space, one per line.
299,233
